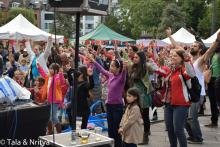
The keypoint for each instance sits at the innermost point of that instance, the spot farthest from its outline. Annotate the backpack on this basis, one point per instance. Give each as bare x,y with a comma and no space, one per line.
195,91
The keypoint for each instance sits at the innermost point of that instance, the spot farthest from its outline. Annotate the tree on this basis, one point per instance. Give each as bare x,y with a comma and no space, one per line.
27,13
115,22
64,25
204,25
195,10
171,13
1,18
142,15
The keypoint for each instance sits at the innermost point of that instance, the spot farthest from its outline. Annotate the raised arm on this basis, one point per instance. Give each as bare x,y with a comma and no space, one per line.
41,71
211,50
47,51
173,42
30,51
189,70
102,70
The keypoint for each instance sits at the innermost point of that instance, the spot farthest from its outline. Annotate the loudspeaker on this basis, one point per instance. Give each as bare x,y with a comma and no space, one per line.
85,7
24,123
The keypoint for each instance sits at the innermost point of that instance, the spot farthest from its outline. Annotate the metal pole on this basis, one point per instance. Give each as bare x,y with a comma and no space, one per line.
213,29
55,30
54,19
75,83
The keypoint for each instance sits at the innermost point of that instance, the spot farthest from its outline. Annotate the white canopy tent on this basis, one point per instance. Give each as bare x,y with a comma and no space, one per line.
5,35
181,36
20,28
146,42
211,39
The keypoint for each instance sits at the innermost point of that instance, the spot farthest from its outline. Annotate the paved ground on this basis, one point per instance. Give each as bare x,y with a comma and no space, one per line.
159,137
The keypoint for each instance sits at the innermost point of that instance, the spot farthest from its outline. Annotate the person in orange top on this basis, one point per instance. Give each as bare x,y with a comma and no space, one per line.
54,91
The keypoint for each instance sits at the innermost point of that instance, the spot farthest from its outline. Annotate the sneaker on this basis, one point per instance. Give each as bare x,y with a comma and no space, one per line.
212,125
195,141
189,138
155,118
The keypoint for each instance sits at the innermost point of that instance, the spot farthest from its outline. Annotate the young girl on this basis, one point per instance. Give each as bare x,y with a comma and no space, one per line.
131,126
116,81
37,90
53,91
11,65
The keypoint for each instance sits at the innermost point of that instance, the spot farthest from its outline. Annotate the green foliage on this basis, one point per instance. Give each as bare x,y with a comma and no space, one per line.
64,25
195,10
27,13
172,17
205,23
142,15
153,16
1,18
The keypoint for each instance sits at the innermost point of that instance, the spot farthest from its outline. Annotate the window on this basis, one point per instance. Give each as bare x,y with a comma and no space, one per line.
48,16
89,26
89,17
15,4
48,26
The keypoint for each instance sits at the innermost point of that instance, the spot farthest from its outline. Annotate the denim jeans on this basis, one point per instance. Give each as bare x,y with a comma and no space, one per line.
129,144
114,116
175,118
53,113
192,125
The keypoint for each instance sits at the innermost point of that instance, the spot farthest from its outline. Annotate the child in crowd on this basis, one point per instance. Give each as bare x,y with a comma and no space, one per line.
37,90
11,65
19,77
53,91
131,126
23,66
116,81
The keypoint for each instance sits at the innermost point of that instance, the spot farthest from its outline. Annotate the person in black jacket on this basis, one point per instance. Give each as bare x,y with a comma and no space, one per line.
85,83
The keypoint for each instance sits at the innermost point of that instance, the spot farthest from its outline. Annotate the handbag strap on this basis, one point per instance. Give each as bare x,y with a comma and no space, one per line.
185,82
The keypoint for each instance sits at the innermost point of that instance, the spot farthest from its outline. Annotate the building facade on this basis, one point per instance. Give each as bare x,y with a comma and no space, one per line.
89,23
44,20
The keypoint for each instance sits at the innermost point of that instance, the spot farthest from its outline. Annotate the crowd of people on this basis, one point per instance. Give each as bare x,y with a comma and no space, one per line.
125,80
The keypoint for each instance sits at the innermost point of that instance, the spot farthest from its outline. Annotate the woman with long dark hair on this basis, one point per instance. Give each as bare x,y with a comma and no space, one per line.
116,77
85,83
138,78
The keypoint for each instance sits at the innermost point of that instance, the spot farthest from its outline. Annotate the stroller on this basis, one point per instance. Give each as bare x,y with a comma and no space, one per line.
97,120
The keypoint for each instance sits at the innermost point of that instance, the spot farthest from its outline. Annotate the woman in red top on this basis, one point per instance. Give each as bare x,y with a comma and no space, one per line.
176,96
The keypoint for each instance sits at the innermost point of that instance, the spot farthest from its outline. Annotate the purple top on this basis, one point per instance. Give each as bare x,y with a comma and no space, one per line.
115,85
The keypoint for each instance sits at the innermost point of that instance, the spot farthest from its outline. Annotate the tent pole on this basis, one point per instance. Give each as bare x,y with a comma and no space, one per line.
75,83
